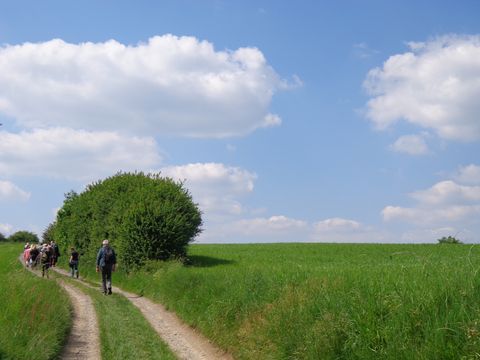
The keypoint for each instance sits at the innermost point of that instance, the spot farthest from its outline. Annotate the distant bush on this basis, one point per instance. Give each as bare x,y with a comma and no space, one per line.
2,237
449,240
23,236
145,217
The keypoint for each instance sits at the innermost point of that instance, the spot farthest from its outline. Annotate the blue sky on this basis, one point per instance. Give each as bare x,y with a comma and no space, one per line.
338,121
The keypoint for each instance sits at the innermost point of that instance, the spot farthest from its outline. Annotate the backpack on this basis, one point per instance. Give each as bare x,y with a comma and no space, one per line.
44,257
108,255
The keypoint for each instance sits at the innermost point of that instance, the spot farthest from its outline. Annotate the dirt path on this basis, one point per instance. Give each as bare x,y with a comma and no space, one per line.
184,341
83,342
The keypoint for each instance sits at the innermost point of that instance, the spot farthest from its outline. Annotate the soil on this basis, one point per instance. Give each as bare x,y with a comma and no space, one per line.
84,339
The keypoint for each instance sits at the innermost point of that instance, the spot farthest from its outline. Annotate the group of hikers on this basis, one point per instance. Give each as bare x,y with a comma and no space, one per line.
47,255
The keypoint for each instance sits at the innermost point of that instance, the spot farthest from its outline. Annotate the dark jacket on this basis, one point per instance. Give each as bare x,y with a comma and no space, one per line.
101,257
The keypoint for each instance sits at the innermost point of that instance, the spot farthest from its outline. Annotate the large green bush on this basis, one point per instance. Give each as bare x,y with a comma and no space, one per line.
2,237
145,217
23,236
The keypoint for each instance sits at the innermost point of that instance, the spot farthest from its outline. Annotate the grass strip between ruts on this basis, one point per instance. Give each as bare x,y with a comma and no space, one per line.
124,332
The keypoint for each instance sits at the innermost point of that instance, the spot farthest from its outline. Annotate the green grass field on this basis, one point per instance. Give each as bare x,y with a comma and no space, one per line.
34,313
324,301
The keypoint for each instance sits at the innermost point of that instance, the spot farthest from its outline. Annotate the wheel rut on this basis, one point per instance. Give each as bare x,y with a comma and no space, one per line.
185,342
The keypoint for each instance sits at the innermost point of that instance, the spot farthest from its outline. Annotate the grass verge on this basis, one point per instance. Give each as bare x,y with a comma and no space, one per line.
34,313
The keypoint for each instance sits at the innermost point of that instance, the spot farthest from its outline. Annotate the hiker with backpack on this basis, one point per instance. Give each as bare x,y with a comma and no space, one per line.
55,253
45,259
106,261
34,255
74,262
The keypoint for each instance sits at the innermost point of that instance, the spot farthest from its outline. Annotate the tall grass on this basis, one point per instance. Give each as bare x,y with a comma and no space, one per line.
325,301
34,313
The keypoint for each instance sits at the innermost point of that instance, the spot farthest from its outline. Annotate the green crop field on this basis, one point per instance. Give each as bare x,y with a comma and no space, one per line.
34,313
324,301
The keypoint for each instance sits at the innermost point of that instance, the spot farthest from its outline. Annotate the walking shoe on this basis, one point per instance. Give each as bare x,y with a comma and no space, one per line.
109,291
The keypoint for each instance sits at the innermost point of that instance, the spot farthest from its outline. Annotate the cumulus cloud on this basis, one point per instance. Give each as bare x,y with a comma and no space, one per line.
447,192
345,230
337,224
71,154
410,144
280,228
445,203
216,187
6,229
10,191
425,215
274,224
435,85
469,174
168,85
277,228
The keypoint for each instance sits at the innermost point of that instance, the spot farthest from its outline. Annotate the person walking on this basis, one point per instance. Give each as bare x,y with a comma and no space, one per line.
106,261
34,252
45,259
73,262
55,253
26,255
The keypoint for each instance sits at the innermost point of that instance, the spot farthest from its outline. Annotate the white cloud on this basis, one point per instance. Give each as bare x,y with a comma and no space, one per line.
448,192
10,191
424,215
70,154
6,229
216,187
337,224
345,230
436,85
469,174
446,208
277,228
168,85
445,204
272,225
281,228
411,144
